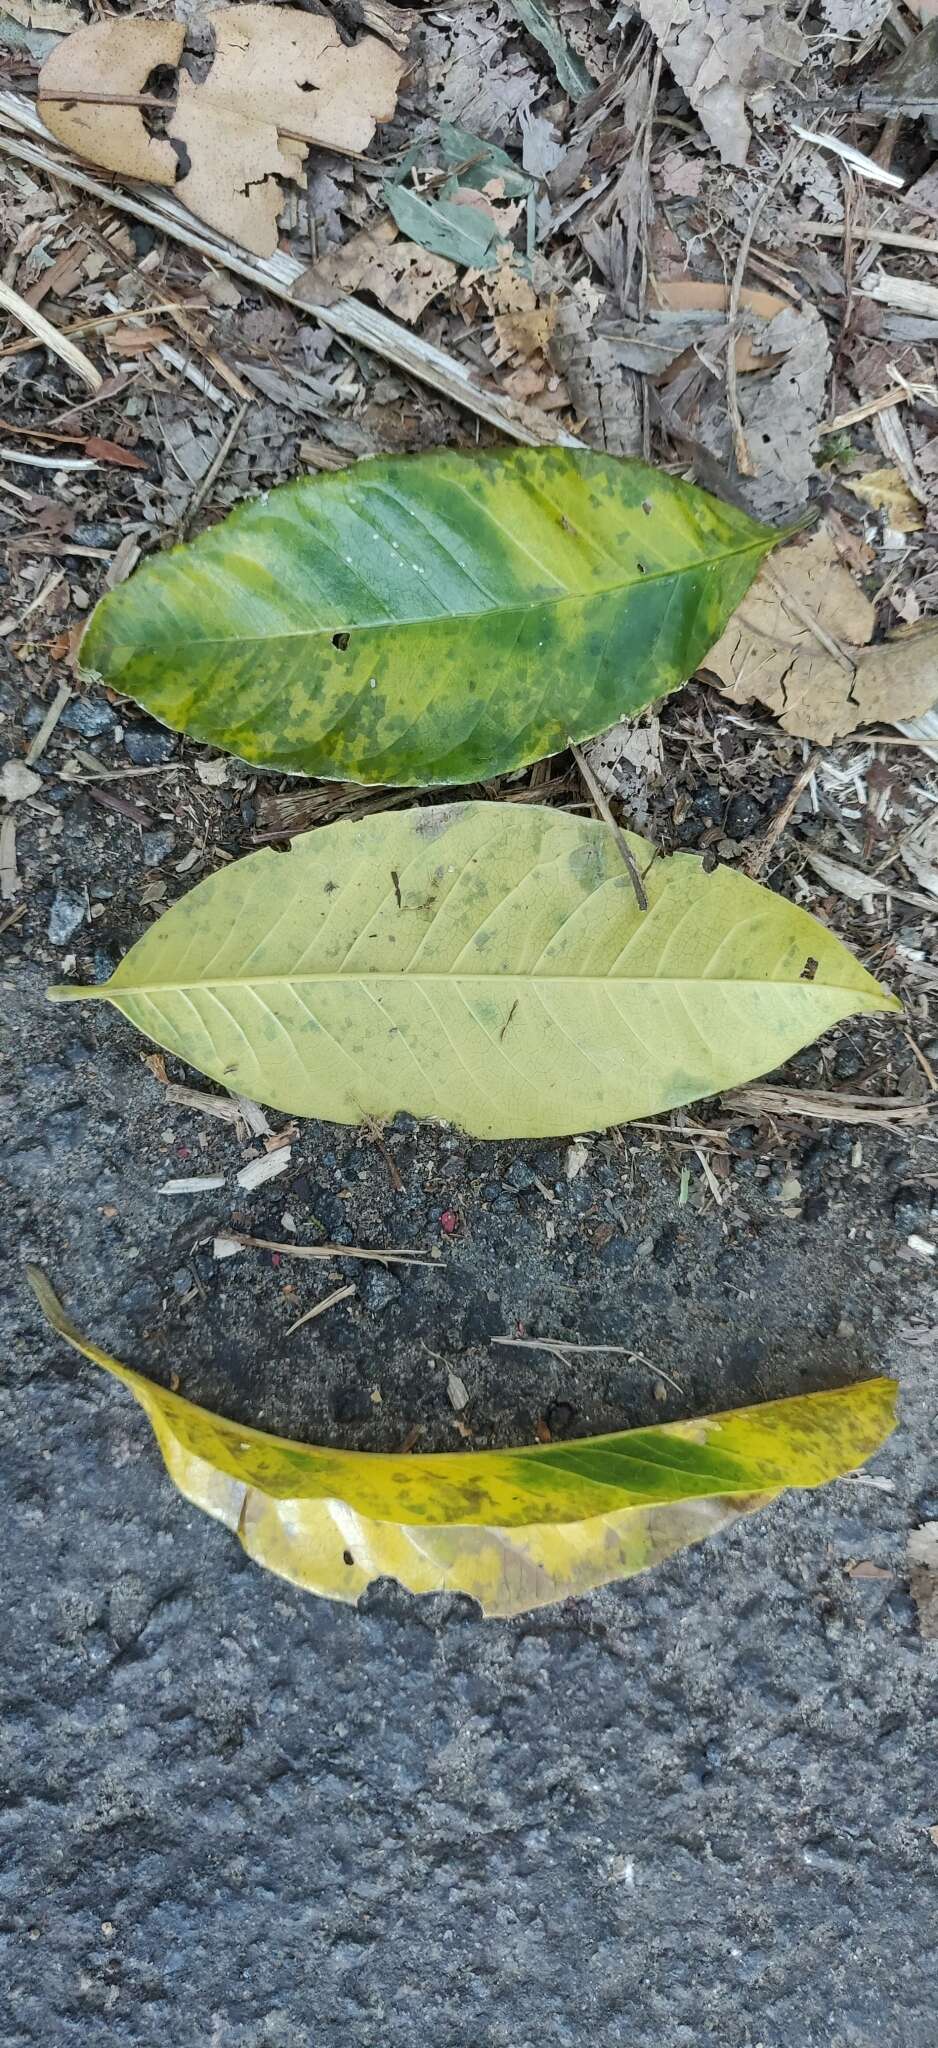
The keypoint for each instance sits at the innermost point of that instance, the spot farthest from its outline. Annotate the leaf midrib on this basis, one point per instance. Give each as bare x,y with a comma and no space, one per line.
542,603
402,976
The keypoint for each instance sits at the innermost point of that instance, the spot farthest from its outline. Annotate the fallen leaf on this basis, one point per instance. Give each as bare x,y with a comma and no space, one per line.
115,55
541,22
401,275
278,82
864,1568
887,491
603,390
511,1529
393,586
769,652
56,16
514,987
465,234
680,176
721,55
923,1578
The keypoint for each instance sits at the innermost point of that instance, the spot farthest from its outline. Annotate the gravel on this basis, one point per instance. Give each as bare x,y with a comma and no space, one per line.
65,916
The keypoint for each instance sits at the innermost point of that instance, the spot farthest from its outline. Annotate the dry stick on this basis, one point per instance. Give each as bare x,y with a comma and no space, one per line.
601,803
394,1257
829,1106
38,325
796,604
740,445
215,466
49,724
562,1349
280,274
893,238
328,1301
761,853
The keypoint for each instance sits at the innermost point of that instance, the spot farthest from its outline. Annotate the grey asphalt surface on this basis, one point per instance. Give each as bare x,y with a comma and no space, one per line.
691,1811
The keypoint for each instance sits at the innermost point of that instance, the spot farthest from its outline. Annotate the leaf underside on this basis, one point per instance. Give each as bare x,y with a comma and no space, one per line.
486,964
430,619
512,1529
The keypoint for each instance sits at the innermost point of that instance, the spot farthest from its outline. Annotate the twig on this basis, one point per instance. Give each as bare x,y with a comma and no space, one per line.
37,324
328,1301
562,1349
215,466
808,618
47,461
13,917
392,1257
49,723
740,444
758,859
817,1102
602,805
893,238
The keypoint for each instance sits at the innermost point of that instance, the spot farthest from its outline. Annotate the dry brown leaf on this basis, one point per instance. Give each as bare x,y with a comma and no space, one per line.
604,394
279,81
721,55
771,653
887,491
57,17
399,274
111,56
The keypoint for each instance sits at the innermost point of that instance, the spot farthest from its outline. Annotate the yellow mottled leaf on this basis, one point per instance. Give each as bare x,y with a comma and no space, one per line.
430,619
487,964
512,1529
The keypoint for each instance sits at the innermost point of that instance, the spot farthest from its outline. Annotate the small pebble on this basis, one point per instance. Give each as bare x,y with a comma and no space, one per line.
17,781
377,1289
149,749
88,716
157,847
65,916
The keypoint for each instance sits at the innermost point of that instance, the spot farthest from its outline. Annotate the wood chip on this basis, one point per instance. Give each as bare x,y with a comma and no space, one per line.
194,1184
266,1168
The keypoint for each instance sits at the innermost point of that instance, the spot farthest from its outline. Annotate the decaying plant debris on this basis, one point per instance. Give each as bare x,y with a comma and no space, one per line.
651,263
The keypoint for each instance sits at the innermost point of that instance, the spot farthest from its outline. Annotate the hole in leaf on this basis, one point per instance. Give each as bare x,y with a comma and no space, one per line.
347,1557
340,640
809,969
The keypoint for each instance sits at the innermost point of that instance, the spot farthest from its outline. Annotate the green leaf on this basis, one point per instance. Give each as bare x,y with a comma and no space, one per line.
463,233
483,963
541,23
478,162
513,1529
430,619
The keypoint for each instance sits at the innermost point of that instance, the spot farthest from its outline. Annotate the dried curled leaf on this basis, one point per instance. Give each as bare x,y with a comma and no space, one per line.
403,277
721,55
770,650
512,1529
483,963
430,619
278,82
